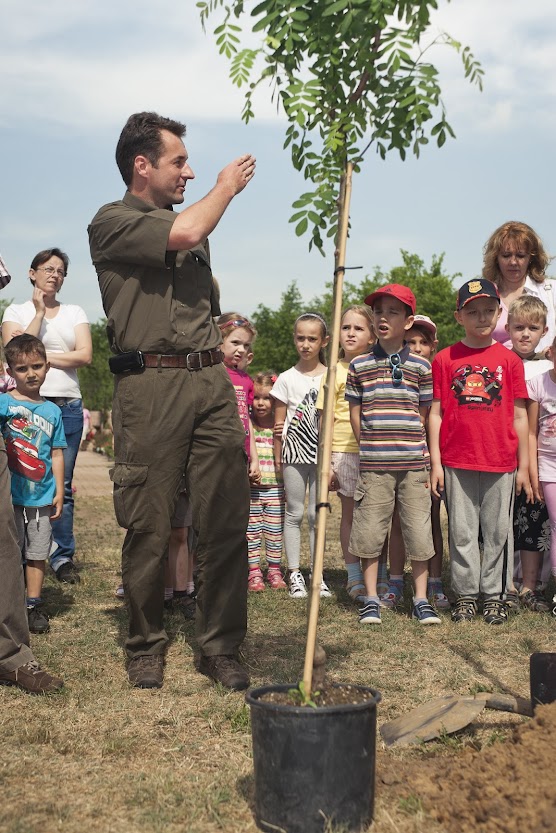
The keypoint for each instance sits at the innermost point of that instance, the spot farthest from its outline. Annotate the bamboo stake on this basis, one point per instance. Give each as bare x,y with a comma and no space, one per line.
327,422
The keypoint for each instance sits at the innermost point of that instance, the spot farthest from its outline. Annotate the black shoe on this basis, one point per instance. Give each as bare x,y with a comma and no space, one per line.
495,612
38,621
146,671
187,605
67,572
225,669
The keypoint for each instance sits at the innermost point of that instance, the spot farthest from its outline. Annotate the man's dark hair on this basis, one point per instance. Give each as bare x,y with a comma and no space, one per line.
44,257
23,345
141,137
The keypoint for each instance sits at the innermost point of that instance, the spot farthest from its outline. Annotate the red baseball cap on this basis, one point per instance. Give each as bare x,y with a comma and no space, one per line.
402,293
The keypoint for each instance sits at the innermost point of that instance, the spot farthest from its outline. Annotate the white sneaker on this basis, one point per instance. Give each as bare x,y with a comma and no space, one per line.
298,589
325,591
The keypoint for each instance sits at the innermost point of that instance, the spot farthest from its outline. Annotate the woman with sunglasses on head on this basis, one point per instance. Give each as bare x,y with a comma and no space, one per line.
64,331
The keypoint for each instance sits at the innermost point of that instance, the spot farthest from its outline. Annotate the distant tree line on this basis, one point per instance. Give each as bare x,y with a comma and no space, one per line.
434,289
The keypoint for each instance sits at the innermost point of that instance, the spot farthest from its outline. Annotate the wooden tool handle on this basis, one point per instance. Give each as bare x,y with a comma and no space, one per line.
506,703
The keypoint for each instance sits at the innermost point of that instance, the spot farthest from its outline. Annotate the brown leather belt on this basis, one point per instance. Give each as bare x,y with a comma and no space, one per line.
189,361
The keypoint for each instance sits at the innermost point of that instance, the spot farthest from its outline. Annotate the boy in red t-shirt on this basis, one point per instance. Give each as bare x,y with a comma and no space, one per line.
478,437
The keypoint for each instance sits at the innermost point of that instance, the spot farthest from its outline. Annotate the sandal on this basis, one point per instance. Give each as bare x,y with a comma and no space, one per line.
393,597
356,590
511,600
532,600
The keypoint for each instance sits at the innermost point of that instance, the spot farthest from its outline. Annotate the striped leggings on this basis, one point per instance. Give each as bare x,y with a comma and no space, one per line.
266,521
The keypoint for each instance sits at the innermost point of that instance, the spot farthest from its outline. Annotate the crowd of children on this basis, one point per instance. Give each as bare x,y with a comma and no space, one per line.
476,429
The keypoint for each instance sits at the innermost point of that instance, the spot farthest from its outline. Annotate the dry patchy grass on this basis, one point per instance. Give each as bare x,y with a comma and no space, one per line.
106,758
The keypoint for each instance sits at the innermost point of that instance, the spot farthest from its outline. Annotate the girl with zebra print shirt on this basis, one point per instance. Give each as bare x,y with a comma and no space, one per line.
295,451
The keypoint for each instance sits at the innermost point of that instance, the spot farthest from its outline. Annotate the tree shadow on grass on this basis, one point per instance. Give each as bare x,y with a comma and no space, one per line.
471,660
58,599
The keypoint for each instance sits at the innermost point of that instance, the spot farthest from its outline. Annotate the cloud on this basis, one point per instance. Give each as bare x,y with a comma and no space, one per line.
88,65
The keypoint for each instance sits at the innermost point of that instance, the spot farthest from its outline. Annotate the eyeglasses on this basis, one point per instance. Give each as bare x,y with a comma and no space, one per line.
49,270
397,372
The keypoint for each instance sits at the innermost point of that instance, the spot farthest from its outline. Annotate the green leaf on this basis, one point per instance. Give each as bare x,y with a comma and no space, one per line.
301,227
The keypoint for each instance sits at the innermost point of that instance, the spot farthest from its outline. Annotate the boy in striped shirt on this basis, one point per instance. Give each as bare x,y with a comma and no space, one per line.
389,391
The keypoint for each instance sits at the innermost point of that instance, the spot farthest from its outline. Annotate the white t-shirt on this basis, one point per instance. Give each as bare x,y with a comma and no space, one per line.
58,336
300,435
543,390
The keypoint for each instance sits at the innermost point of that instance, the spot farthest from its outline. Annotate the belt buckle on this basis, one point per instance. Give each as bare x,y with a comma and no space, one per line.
192,366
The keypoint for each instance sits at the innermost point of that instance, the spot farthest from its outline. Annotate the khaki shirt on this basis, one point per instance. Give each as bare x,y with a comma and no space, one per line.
156,301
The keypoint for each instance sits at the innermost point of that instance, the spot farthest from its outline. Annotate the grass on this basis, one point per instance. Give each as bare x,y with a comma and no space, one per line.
108,759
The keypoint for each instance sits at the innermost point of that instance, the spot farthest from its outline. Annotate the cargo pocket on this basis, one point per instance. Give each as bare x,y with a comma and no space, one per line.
131,499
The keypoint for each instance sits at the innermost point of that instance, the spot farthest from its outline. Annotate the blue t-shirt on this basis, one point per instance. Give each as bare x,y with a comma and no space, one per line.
31,430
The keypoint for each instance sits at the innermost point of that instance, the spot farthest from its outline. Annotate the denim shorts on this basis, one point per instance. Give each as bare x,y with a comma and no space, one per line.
375,497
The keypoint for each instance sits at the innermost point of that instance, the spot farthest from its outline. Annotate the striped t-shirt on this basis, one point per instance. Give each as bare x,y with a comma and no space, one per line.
392,436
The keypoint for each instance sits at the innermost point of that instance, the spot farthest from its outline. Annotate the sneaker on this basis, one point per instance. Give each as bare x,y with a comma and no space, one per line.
186,605
495,612
425,614
226,670
554,605
146,671
369,613
38,621
440,601
67,573
532,600
325,591
31,678
255,582
275,580
298,589
393,597
465,609
119,592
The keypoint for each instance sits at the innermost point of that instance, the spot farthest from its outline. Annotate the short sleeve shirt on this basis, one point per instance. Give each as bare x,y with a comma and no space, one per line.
542,389
477,389
300,438
245,391
31,430
343,438
156,301
392,436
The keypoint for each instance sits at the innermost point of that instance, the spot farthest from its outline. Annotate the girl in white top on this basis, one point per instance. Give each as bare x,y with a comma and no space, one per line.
64,331
542,439
295,392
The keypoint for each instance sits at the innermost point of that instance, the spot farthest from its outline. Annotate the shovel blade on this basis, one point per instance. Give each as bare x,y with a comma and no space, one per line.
443,715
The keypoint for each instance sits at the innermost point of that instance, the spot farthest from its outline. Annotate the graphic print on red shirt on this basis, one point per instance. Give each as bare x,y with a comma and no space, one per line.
477,389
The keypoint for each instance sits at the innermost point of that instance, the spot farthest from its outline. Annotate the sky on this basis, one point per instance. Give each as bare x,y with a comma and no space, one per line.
73,71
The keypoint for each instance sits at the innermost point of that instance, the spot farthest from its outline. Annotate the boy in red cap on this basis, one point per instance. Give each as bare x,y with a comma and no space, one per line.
478,436
389,391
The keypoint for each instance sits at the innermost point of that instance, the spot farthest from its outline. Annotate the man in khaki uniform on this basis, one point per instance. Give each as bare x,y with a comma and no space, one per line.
174,406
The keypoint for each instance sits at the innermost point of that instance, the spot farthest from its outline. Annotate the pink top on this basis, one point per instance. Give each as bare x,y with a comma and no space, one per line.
245,391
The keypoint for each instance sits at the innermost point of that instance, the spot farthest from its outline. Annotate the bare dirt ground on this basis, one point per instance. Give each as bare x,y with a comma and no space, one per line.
105,758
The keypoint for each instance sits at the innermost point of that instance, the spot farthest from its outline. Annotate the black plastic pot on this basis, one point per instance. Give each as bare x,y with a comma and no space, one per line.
313,766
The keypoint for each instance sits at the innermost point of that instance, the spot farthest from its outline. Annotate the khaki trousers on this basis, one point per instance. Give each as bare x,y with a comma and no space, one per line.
167,421
14,628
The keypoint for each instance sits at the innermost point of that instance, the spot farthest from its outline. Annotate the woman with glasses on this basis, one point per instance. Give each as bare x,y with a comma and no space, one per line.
64,331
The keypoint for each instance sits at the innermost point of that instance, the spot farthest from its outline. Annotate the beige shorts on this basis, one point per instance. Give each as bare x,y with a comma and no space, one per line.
345,465
375,497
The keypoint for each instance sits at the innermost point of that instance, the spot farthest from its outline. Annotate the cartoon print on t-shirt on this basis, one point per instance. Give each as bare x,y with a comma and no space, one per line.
477,385
23,455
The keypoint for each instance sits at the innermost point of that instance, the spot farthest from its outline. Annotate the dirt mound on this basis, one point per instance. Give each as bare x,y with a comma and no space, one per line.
505,788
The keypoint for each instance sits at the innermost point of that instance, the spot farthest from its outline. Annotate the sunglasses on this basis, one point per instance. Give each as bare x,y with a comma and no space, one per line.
237,322
397,372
